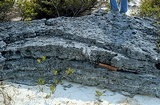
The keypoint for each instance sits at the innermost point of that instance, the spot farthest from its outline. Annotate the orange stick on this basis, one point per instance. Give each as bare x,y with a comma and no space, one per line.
107,66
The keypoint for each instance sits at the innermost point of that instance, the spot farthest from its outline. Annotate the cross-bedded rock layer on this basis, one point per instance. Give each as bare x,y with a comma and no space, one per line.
128,43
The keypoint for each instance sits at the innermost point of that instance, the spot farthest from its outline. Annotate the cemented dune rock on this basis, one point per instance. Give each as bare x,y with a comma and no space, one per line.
127,43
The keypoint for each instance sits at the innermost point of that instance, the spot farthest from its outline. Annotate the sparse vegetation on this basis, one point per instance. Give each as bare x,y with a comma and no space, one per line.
52,88
40,83
4,95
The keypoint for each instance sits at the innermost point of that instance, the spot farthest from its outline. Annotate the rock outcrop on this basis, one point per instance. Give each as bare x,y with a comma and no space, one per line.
128,43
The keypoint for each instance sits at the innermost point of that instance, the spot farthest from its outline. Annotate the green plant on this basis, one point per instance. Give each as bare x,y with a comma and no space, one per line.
40,83
55,82
68,71
5,7
38,60
157,23
98,94
150,8
157,45
108,7
55,72
52,89
42,58
27,9
159,39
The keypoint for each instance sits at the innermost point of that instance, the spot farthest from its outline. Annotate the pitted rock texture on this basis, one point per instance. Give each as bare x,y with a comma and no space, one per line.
128,43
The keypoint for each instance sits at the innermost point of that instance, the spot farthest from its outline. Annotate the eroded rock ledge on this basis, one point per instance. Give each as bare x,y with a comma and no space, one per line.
127,43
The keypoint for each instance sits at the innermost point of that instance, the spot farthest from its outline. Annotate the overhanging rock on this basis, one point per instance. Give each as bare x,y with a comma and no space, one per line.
128,43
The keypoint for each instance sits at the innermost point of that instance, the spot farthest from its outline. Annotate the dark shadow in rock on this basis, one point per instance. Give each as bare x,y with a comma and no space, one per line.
158,66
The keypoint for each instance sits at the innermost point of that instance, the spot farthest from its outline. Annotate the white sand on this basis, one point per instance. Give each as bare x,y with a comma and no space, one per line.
74,94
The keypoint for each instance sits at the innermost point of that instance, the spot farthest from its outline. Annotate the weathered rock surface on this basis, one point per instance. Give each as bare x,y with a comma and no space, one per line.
127,43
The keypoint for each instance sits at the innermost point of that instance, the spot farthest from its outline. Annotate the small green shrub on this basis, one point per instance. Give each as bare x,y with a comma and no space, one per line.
150,8
5,7
40,83
68,71
98,94
27,9
53,8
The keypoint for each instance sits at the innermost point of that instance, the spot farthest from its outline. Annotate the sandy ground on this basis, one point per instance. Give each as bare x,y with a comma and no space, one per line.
68,94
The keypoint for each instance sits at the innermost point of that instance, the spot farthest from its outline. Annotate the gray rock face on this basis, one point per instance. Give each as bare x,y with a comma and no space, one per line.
128,43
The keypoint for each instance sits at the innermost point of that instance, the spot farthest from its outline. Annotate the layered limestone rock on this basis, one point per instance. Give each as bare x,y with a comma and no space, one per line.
128,43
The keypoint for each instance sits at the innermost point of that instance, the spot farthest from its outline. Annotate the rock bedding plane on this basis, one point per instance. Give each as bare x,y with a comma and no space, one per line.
127,43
